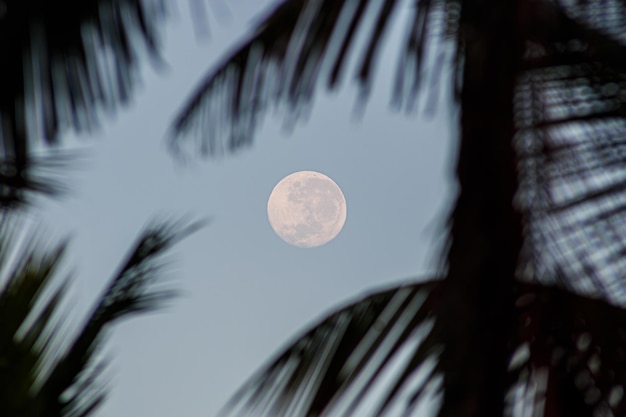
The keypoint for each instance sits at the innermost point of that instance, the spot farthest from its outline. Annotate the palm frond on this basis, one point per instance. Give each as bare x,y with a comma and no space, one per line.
64,64
568,358
577,343
25,278
337,361
570,116
299,44
41,373
41,173
57,76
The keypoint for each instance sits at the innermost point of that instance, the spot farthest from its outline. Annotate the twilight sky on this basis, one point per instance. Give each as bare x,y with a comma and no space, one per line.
246,292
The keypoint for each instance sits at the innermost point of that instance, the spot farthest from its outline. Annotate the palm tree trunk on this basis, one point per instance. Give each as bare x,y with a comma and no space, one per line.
476,318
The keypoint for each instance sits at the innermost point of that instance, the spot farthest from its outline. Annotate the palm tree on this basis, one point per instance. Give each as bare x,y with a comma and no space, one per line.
527,313
527,307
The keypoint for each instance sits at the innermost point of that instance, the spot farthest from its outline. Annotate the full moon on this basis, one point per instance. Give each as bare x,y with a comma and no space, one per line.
306,209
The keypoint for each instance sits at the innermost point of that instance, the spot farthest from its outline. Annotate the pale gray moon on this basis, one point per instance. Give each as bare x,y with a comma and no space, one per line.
307,209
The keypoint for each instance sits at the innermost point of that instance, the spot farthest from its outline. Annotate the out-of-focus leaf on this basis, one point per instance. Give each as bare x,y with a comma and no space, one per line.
570,109
299,44
383,350
337,362
575,362
64,63
45,370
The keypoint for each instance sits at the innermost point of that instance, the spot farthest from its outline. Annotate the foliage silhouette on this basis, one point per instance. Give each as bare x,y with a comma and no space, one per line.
529,305
45,370
64,65
52,79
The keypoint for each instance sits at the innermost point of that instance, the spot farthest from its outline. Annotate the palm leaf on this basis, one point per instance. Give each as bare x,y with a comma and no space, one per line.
560,338
572,347
335,363
55,77
570,109
41,373
41,173
299,44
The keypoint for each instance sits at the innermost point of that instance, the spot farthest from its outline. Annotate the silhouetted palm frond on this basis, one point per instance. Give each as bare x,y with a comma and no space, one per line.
64,63
570,353
299,44
570,114
42,173
46,370
337,362
568,358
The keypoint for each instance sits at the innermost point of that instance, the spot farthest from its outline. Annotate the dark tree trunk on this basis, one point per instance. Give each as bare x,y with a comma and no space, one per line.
476,318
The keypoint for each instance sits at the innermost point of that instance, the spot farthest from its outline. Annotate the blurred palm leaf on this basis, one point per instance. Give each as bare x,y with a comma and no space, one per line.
45,370
64,65
299,44
348,348
568,357
540,88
